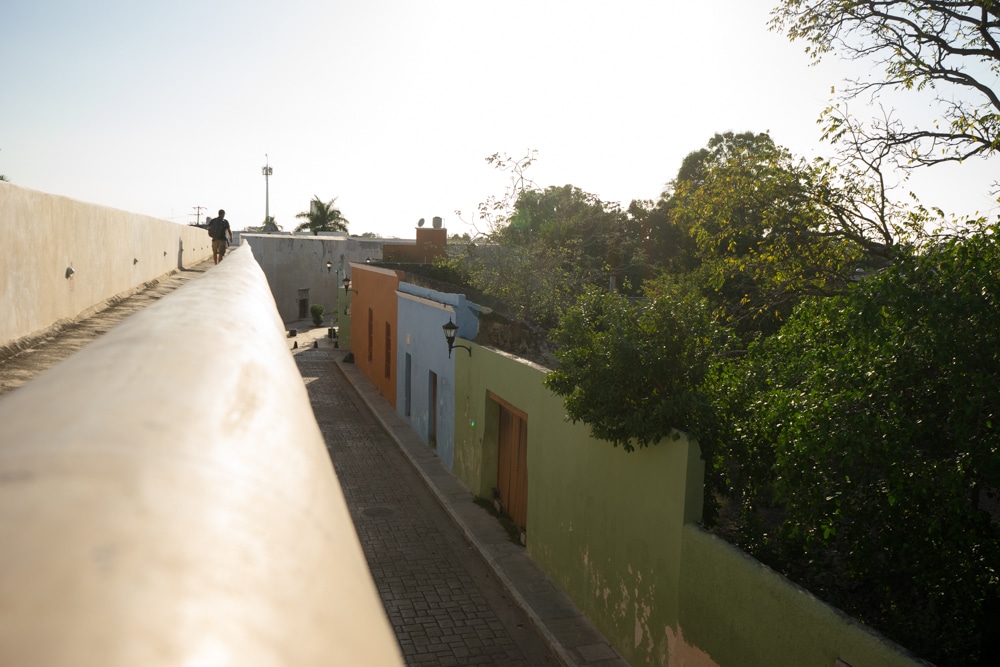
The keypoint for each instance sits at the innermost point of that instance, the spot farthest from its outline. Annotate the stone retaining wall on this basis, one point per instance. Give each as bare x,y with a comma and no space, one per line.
61,259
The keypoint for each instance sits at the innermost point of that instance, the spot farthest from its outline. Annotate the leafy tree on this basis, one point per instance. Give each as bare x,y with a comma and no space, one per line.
537,283
543,246
874,420
947,46
600,234
760,236
269,226
666,245
858,442
322,217
635,370
762,228
4,178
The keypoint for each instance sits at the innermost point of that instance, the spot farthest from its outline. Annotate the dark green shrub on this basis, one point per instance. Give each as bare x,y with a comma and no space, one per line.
317,314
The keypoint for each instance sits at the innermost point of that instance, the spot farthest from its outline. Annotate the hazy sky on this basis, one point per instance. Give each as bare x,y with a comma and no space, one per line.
392,105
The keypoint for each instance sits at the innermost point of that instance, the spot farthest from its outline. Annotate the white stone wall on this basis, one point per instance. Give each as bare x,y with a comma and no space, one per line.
298,262
111,252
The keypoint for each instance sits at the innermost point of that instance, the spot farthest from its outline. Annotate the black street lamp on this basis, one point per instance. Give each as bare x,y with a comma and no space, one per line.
450,330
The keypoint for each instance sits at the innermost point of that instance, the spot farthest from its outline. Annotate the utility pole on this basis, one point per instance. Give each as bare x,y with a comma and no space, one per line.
197,214
266,170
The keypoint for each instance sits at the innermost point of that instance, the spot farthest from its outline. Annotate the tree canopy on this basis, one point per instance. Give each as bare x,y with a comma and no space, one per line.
322,217
544,246
837,364
269,225
601,236
762,228
633,370
873,421
761,237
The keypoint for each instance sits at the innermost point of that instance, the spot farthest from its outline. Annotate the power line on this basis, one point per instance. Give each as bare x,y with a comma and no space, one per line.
197,213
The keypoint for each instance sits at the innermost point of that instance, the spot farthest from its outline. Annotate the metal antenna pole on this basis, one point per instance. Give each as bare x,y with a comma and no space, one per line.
267,193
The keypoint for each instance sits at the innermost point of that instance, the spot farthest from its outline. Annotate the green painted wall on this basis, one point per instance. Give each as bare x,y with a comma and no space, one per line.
617,532
602,522
743,613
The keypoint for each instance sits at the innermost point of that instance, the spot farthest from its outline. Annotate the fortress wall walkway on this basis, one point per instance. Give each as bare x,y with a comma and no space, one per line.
166,498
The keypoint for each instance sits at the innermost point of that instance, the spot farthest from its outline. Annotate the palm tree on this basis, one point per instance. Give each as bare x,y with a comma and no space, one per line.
322,217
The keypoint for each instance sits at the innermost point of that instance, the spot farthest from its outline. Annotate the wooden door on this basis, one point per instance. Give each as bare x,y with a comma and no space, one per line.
512,464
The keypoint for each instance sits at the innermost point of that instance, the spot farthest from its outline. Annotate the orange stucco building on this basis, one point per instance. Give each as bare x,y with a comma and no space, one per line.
374,305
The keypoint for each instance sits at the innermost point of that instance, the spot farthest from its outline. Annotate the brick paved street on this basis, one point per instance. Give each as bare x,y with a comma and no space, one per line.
446,606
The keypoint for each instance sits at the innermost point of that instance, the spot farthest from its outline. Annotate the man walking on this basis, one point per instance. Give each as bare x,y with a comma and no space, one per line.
218,229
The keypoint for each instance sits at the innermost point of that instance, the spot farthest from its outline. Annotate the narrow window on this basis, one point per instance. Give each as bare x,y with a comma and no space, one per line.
407,385
432,417
388,349
371,334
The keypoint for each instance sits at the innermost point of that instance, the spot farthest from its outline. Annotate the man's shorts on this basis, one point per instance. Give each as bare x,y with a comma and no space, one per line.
219,246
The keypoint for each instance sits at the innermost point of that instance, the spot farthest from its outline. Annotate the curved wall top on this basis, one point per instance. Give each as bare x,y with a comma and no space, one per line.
166,498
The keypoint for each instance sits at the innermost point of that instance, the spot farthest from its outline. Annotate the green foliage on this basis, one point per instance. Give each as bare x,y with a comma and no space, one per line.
838,364
873,420
604,238
760,239
759,229
536,283
856,434
448,269
322,217
667,246
545,246
269,225
634,369
317,311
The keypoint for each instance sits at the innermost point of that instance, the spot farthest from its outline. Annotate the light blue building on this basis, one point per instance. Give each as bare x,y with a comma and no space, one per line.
425,379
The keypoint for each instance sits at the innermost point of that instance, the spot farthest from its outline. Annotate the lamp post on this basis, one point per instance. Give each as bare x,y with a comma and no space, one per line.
266,171
450,330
